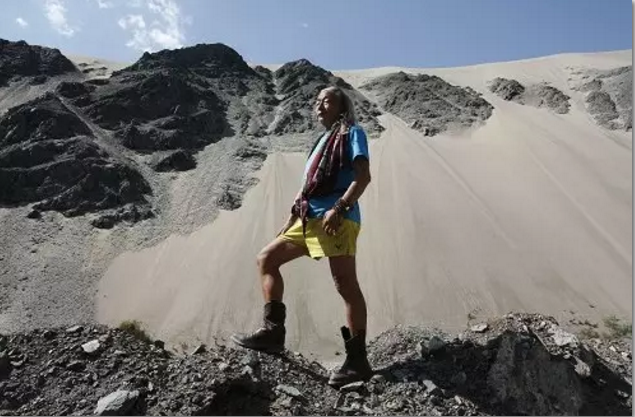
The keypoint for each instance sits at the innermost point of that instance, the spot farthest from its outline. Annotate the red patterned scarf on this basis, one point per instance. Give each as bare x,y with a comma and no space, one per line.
324,169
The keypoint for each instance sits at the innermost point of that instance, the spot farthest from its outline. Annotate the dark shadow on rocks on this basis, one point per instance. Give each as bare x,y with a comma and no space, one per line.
239,397
303,369
180,160
514,374
605,393
458,369
140,407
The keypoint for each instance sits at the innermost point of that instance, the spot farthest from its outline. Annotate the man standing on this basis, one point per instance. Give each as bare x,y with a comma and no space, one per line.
324,222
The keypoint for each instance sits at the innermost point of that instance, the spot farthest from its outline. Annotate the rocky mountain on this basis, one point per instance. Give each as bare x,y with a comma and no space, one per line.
19,60
183,99
169,105
429,103
96,163
298,83
519,364
50,157
165,108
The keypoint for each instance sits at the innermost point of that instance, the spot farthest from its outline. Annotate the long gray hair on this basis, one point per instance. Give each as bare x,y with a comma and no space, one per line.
347,115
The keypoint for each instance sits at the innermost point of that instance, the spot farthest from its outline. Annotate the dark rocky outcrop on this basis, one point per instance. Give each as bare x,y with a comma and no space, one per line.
209,60
73,89
602,107
507,89
231,194
158,111
180,160
264,72
609,97
298,84
21,60
517,365
179,99
48,156
520,364
429,103
537,95
543,95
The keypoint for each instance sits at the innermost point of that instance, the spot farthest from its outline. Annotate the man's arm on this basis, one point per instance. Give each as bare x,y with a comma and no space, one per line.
333,217
361,166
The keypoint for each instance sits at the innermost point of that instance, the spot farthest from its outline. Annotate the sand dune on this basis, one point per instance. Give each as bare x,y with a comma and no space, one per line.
531,212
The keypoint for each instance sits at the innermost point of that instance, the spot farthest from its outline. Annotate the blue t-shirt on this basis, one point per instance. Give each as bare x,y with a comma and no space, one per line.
318,206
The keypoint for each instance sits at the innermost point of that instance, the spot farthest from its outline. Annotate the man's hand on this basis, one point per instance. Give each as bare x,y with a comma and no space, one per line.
290,221
331,222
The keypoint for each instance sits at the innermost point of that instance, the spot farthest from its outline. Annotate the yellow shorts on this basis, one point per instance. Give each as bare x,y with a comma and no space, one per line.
321,245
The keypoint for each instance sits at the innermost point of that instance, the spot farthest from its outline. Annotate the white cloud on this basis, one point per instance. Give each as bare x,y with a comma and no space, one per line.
135,3
305,25
169,34
165,31
104,4
137,25
56,15
132,21
23,23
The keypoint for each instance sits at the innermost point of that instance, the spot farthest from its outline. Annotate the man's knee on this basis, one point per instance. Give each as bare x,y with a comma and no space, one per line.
266,261
262,259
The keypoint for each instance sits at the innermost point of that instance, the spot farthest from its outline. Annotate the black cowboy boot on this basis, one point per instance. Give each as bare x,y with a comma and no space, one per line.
356,366
270,337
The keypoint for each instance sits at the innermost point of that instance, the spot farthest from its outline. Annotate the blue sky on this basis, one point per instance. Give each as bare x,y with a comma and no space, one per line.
335,34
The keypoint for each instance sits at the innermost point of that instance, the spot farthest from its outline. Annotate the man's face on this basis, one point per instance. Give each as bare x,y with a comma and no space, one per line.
327,108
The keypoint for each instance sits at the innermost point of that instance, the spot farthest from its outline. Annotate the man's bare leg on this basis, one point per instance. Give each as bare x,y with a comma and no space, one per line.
343,270
269,260
356,366
271,336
